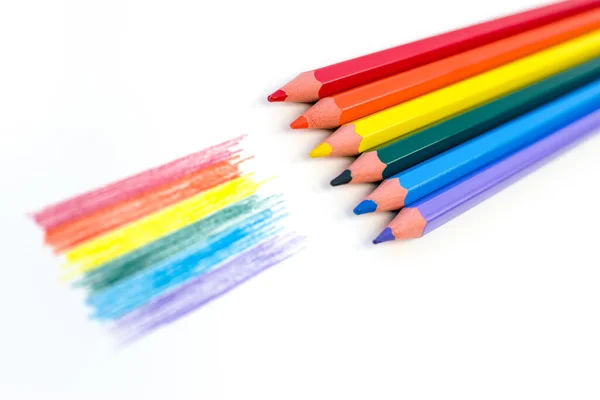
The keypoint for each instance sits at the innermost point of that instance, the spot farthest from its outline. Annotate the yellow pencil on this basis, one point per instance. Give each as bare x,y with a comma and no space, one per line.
90,255
369,132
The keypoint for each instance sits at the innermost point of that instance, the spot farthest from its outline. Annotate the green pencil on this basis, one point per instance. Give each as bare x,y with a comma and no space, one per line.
408,151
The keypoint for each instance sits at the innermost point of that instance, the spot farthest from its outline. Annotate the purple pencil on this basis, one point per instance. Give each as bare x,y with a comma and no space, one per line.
449,202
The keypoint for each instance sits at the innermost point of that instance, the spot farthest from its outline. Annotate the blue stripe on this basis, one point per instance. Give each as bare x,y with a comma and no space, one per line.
124,297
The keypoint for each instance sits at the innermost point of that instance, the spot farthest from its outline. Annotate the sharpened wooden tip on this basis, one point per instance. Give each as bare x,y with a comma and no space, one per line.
389,195
324,114
302,89
344,141
367,168
408,224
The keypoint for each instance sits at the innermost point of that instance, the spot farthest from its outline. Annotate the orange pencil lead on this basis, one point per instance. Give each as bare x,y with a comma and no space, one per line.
300,123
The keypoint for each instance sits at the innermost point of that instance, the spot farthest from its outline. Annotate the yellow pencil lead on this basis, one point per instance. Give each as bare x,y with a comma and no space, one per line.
322,150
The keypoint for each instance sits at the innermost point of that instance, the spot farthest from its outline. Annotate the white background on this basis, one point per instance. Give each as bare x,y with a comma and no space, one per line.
501,303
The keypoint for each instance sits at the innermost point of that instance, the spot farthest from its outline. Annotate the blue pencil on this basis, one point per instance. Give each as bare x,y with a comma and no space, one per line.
419,181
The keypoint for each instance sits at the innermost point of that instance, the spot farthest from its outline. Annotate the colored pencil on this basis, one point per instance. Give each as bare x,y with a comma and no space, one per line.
408,151
312,85
417,182
444,205
402,119
359,102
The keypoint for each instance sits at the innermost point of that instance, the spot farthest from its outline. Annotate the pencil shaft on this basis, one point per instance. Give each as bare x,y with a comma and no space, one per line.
332,79
454,164
368,99
420,146
415,114
375,66
447,203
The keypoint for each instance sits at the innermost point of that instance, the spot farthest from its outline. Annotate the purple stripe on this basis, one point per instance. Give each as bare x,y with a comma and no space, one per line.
206,288
451,201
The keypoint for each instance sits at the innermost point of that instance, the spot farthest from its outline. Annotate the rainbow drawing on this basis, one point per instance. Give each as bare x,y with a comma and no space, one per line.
152,247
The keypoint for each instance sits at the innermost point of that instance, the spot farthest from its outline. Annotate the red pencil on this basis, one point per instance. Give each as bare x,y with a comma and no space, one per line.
313,85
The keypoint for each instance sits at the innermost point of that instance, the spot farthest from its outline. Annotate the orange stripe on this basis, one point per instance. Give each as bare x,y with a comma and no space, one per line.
69,234
377,96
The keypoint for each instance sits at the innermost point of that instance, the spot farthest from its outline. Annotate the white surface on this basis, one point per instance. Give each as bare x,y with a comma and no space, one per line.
501,303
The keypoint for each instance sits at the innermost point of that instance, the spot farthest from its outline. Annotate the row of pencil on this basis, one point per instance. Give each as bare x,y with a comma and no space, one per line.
448,120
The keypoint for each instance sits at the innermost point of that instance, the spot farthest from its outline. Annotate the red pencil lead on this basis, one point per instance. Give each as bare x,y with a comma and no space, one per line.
300,123
278,95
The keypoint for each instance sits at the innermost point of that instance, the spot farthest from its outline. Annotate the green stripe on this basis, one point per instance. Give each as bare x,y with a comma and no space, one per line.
431,141
167,246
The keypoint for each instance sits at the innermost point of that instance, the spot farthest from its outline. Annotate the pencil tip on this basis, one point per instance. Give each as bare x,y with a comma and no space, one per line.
278,95
322,150
365,207
300,123
343,178
386,236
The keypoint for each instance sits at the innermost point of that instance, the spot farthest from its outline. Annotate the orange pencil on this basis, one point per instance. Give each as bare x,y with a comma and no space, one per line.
353,104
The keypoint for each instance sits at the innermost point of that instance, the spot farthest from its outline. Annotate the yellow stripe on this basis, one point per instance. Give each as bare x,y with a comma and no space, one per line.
92,254
399,120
